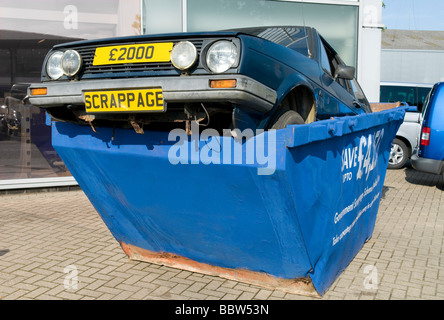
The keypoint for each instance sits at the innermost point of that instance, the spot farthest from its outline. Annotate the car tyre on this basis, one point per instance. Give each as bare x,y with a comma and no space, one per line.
399,154
285,118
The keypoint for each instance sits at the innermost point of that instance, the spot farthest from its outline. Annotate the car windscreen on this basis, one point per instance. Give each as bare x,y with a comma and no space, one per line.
294,38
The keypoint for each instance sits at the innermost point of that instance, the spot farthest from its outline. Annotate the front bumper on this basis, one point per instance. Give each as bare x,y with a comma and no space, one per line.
426,165
186,89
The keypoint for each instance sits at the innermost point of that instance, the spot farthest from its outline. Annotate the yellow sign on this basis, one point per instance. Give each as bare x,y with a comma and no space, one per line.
135,53
124,100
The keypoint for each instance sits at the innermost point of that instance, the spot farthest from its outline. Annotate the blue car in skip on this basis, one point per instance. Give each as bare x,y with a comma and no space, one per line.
256,78
250,154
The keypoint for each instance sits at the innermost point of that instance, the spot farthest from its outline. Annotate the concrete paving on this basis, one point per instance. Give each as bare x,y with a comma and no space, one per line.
54,245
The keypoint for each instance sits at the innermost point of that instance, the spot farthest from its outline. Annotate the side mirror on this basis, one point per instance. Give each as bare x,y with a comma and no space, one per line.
345,72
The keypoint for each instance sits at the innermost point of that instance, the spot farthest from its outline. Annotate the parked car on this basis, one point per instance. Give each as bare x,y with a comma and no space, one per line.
411,95
430,155
258,78
406,141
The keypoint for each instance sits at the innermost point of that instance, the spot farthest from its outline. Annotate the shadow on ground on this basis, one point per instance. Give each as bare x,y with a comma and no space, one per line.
424,179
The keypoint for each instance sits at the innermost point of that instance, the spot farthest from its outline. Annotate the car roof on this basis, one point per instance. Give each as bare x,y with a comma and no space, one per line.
406,84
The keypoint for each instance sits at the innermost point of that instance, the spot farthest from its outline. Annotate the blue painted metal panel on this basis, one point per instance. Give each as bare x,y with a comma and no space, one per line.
308,218
343,164
433,115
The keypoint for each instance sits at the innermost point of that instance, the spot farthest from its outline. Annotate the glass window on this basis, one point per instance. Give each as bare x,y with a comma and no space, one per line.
427,101
422,95
338,24
162,16
398,93
359,94
300,46
413,94
29,64
293,38
5,72
325,62
28,30
25,139
331,60
25,143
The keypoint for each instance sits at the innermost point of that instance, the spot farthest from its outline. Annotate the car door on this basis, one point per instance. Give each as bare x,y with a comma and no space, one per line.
337,100
360,101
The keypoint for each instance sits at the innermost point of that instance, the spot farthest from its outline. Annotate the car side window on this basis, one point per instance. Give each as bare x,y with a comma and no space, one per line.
329,62
422,94
427,100
358,93
325,62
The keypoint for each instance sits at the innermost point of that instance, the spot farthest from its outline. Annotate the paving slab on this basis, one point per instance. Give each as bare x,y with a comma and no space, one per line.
54,245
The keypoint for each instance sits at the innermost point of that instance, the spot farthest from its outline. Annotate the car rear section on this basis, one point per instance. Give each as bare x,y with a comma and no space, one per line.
430,156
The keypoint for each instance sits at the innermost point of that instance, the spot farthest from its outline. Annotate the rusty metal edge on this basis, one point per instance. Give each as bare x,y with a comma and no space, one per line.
299,286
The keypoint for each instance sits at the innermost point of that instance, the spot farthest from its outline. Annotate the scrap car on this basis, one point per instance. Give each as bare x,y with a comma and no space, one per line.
257,78
299,217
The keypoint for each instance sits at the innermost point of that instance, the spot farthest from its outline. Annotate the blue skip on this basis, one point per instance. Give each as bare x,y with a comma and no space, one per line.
299,206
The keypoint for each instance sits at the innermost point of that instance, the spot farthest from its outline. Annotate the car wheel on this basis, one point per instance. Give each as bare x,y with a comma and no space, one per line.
286,118
399,154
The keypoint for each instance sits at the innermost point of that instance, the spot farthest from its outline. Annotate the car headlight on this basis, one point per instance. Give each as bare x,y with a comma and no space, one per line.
183,55
71,62
221,56
53,65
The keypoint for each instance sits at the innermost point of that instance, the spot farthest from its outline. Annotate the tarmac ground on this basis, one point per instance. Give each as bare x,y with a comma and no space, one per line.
54,245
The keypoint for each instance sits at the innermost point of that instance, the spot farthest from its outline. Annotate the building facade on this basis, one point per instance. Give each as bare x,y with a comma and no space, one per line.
29,28
352,27
412,56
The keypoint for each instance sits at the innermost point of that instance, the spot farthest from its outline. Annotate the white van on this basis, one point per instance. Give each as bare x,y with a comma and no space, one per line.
413,94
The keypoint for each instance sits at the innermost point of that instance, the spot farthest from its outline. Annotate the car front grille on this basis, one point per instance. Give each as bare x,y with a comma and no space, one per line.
127,69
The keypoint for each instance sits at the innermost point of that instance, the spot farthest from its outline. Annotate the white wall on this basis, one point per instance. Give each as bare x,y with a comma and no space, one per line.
86,19
369,56
420,66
